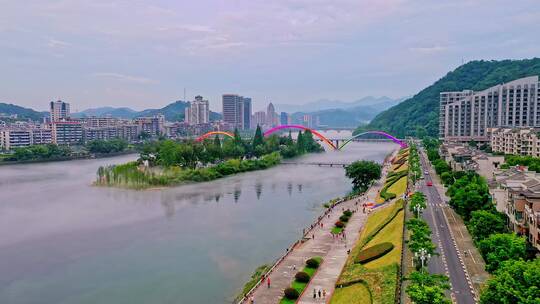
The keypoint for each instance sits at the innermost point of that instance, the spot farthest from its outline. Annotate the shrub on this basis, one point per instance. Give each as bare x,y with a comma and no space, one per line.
312,263
302,277
291,293
344,218
339,224
374,252
347,213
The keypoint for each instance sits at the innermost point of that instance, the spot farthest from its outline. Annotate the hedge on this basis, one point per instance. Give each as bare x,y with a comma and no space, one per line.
374,252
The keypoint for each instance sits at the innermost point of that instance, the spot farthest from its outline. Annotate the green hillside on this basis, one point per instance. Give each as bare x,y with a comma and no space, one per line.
419,113
22,113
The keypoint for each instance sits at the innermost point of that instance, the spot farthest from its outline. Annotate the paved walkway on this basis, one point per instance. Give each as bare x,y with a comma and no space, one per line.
333,251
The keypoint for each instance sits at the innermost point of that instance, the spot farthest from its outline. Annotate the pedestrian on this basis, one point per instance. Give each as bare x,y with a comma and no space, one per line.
268,282
324,293
314,293
251,300
314,236
319,293
293,267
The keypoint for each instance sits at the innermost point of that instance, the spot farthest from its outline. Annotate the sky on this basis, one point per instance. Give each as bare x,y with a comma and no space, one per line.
143,54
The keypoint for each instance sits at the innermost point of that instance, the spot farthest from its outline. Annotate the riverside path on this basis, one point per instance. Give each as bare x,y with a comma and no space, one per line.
319,243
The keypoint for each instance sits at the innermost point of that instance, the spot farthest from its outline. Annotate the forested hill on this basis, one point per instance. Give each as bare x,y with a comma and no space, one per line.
420,113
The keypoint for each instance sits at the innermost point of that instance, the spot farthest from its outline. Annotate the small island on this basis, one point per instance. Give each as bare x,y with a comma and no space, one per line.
167,162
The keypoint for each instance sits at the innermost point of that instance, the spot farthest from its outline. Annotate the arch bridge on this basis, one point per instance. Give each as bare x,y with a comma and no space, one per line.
321,137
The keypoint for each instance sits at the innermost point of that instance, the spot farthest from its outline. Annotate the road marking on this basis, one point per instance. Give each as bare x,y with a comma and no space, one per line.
472,256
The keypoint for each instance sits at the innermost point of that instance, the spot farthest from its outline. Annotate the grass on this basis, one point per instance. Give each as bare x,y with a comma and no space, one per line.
399,187
380,275
336,230
299,286
355,294
255,277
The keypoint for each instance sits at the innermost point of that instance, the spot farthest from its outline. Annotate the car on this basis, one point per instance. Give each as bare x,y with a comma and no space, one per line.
426,172
429,184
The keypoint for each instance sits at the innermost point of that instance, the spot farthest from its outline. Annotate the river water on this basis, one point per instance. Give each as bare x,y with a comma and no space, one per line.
65,241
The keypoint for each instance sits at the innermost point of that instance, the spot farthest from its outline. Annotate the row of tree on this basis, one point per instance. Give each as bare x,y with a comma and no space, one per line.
40,152
423,288
168,153
505,253
106,146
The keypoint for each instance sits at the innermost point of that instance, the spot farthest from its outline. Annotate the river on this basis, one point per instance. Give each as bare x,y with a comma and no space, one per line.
65,241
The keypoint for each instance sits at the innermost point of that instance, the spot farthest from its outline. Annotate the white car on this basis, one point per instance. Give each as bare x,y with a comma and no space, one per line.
426,172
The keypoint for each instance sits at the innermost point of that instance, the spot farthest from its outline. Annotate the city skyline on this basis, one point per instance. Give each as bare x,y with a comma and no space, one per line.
143,55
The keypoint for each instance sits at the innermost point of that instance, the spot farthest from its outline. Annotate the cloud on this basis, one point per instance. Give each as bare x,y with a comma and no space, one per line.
55,43
124,78
197,28
429,49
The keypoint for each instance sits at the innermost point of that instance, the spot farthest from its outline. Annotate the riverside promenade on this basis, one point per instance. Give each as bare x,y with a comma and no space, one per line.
319,242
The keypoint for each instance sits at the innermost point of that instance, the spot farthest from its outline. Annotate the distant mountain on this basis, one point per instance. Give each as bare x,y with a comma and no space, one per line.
326,104
351,117
22,113
419,115
105,111
172,112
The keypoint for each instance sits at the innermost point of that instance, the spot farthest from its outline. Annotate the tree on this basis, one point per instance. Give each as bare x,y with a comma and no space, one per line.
425,288
363,173
168,153
514,282
483,223
501,247
300,143
258,138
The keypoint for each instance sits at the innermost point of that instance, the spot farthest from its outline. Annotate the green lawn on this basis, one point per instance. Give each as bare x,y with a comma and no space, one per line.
380,275
354,294
399,187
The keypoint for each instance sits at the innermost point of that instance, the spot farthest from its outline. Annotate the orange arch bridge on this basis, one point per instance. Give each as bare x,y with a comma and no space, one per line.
319,135
206,135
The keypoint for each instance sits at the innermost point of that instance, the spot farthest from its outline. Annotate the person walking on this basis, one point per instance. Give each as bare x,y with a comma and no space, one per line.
268,282
314,293
319,293
324,294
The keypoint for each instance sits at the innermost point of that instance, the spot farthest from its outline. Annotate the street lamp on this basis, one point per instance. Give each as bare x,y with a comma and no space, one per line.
417,208
423,255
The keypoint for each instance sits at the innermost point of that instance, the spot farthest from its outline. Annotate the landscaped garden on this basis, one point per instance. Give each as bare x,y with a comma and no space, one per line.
370,274
396,181
301,280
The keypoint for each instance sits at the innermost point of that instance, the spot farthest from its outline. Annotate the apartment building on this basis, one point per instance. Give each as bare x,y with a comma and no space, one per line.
519,141
153,126
67,132
127,132
237,111
11,138
522,202
467,115
59,110
198,111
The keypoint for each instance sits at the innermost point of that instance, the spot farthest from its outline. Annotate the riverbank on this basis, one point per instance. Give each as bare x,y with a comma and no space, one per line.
68,158
317,240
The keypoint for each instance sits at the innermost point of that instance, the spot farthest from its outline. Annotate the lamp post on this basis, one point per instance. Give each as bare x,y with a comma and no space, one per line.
417,208
423,255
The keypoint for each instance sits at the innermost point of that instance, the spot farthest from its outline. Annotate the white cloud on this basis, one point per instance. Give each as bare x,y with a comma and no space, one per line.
125,78
429,49
55,43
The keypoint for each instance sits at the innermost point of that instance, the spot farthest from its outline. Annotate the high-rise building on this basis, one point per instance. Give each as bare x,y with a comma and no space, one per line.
246,113
467,115
271,116
259,119
59,110
307,121
153,126
283,118
198,111
237,110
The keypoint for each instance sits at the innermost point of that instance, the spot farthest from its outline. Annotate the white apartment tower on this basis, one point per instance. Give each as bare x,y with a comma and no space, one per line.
467,115
198,111
59,110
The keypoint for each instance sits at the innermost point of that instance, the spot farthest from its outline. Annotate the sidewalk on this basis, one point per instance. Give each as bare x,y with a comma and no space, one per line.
333,252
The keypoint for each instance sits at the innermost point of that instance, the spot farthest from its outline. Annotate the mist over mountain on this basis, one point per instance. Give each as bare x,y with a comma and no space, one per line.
326,104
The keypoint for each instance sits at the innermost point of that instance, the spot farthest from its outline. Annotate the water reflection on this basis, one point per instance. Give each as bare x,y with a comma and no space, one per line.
64,241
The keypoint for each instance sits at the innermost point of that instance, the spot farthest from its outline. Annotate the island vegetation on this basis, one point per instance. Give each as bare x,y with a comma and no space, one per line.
168,162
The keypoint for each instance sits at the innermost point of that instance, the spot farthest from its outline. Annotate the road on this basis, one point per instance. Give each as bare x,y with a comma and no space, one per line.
448,262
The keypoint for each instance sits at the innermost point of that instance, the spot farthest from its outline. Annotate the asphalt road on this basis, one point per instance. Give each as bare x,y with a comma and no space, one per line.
448,261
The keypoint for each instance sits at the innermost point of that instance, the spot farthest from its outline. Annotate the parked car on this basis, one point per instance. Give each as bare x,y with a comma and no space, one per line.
426,172
429,184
